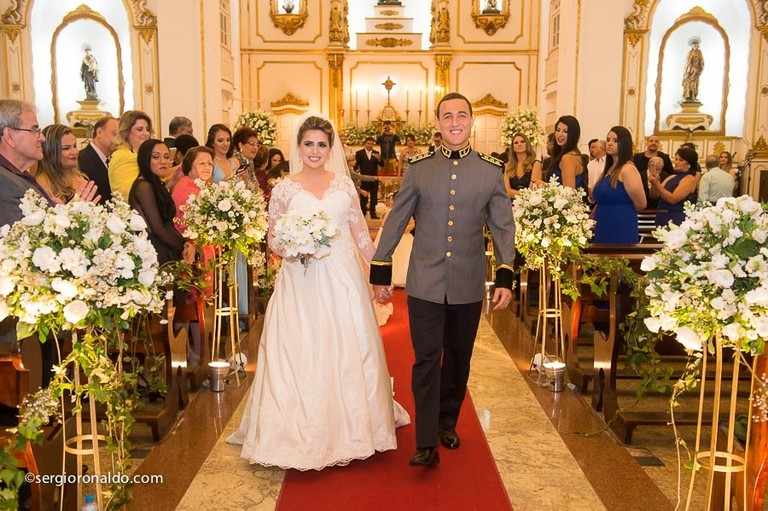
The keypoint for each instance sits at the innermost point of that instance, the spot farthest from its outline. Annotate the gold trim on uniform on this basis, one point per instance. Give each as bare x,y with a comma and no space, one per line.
491,159
380,263
508,267
420,157
461,153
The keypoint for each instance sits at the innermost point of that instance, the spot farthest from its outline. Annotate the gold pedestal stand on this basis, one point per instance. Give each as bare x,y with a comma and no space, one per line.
225,278
549,316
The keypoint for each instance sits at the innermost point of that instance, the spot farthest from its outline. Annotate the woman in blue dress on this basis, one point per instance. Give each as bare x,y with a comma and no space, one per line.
567,165
675,190
619,193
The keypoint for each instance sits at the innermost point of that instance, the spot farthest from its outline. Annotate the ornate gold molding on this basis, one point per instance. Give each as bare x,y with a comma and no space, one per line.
288,23
14,15
143,17
388,12
13,31
639,18
634,36
389,26
490,21
440,30
338,24
761,145
489,105
289,100
388,42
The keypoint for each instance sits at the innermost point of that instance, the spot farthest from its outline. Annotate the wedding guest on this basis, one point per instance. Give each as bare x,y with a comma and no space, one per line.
183,144
246,144
260,163
93,160
409,151
641,161
197,164
676,189
619,192
57,172
715,183
275,157
178,126
522,168
546,163
220,140
150,198
133,129
567,165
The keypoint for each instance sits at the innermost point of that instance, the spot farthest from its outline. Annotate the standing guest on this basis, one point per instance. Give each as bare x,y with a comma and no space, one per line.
197,164
596,165
437,141
220,140
93,160
57,172
150,198
446,283
567,165
275,158
641,162
260,163
246,143
133,129
676,189
619,192
523,167
715,183
546,163
409,151
178,126
726,163
387,142
183,144
367,163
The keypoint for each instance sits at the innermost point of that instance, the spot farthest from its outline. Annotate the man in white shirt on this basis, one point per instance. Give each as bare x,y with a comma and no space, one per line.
596,165
715,183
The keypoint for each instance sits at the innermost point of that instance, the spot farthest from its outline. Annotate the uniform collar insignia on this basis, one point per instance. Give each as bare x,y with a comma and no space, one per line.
456,155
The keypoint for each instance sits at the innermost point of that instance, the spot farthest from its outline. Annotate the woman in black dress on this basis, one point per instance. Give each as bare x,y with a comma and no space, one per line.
522,168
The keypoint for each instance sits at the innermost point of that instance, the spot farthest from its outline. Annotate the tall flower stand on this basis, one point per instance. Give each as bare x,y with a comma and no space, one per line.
711,458
550,320
225,283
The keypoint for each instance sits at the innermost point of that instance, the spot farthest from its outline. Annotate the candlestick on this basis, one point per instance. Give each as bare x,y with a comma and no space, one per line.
368,99
357,102
420,91
407,99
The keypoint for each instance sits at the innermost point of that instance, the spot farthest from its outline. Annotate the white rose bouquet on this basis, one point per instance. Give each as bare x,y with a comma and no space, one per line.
262,123
229,215
711,277
303,233
525,121
77,265
553,225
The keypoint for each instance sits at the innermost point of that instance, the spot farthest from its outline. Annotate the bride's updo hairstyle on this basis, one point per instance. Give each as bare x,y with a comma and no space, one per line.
316,123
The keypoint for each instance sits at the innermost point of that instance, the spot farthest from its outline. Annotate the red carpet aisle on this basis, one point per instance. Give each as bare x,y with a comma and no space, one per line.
465,479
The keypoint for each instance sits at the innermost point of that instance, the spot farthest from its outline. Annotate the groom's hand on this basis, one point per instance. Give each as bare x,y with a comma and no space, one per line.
382,293
502,297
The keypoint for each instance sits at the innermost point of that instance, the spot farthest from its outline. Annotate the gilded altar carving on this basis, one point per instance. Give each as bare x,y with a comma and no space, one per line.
388,42
338,24
13,15
440,30
388,26
289,23
489,105
289,100
489,20
639,18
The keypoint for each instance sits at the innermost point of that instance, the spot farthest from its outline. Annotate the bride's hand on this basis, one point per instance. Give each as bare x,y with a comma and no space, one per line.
382,293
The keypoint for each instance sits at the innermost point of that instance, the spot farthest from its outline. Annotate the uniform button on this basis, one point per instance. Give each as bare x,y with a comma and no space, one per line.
450,238
451,207
450,222
455,163
453,192
448,254
453,176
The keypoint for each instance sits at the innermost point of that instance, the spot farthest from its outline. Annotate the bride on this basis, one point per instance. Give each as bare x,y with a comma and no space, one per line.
322,394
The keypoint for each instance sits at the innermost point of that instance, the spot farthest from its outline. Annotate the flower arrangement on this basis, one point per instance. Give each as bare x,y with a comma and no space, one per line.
228,215
357,135
711,277
422,135
553,225
525,121
262,123
304,232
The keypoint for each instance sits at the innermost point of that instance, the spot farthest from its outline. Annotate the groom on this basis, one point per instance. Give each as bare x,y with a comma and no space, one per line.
453,193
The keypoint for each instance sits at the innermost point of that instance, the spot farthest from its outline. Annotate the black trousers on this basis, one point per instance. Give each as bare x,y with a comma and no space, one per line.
443,337
373,190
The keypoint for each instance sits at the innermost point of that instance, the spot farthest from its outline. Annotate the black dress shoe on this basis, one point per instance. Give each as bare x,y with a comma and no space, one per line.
450,439
428,457
374,217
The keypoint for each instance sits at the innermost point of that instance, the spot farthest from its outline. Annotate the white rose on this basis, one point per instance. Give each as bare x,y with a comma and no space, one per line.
732,331
115,225
722,278
147,277
34,217
648,264
688,338
225,205
65,288
75,311
653,324
45,259
6,286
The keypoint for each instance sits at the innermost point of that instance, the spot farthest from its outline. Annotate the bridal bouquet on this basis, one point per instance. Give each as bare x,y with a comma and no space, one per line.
229,215
262,123
77,265
553,225
304,232
711,277
525,121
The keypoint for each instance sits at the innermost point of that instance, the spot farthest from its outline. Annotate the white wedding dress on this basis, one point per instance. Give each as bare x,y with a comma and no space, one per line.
322,394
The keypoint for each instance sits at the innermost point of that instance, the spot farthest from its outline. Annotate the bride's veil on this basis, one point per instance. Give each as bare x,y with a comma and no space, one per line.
337,161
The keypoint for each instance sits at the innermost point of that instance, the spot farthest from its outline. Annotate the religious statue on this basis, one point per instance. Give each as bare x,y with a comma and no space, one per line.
389,2
288,6
694,65
490,7
89,73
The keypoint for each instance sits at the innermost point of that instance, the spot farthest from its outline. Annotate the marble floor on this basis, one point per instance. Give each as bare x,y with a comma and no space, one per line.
550,448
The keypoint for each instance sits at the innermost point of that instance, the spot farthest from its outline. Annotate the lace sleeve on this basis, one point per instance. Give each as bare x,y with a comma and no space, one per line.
278,205
357,225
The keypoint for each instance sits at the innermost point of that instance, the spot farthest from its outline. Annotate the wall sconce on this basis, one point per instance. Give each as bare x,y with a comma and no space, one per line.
288,15
490,15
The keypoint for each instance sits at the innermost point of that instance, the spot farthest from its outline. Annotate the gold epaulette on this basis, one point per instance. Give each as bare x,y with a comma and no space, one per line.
421,156
491,159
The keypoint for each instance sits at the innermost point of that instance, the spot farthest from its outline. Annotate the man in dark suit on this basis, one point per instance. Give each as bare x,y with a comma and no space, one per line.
641,162
367,162
93,160
453,193
178,126
437,141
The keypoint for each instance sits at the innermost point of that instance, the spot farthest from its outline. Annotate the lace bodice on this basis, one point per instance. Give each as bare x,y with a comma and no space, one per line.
339,201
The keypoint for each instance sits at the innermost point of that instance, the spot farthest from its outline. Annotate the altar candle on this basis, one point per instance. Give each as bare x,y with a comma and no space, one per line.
407,99
357,100
368,100
420,99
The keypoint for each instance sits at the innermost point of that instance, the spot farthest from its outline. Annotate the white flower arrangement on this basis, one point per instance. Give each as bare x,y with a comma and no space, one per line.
78,265
711,276
525,121
304,232
553,224
262,123
228,215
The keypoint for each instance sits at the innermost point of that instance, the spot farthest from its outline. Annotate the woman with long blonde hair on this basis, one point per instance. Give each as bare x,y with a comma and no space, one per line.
57,172
522,166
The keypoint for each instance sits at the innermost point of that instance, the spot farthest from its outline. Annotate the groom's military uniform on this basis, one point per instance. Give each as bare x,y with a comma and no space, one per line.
452,195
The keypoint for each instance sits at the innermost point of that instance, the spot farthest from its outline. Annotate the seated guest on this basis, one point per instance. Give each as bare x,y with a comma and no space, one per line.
133,129
676,189
57,172
93,160
150,198
618,193
715,183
